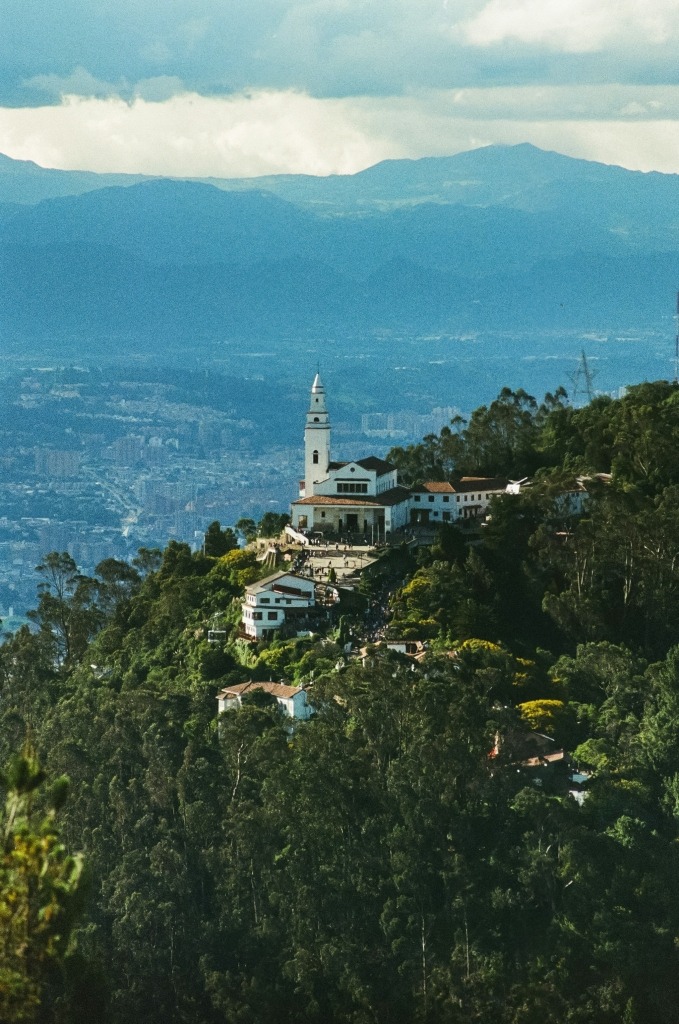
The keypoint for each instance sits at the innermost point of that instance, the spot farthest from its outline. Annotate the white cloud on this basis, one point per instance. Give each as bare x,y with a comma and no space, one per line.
269,132
192,135
574,26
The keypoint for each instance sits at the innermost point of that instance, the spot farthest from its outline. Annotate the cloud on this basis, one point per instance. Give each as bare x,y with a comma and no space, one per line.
574,26
202,87
79,83
327,48
268,131
195,136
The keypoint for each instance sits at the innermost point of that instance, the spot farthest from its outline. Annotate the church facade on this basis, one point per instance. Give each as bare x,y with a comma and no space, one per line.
365,498
362,497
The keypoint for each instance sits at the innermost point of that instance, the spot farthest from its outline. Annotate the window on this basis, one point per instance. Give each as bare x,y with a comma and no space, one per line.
317,419
446,498
257,615
431,497
272,616
265,600
314,458
417,497
352,488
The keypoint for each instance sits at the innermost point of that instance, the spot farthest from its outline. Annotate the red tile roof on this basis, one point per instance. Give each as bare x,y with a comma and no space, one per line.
394,496
437,487
276,689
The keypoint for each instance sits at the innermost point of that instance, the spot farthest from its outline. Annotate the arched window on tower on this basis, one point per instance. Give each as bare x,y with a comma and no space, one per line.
314,458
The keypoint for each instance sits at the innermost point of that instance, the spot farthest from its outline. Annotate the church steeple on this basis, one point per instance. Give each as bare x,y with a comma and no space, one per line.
316,438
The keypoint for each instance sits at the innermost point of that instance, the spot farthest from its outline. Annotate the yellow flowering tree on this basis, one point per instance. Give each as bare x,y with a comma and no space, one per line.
39,887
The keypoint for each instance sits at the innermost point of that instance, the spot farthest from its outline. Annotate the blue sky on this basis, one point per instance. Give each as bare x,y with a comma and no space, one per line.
217,87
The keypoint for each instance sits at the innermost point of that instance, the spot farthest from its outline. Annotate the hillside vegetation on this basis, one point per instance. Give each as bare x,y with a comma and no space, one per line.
394,859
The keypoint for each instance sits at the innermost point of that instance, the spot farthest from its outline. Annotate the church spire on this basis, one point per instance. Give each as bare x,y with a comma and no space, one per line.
316,438
317,403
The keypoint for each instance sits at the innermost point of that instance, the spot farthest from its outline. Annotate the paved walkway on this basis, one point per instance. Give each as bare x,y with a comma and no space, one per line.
347,561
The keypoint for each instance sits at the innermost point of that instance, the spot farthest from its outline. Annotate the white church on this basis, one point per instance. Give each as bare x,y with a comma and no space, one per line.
364,497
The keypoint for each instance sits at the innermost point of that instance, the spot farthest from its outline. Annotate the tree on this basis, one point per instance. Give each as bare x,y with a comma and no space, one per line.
247,527
117,582
219,542
40,883
67,607
273,523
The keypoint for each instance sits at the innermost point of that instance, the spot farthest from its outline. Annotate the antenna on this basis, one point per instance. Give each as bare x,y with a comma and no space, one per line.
676,345
583,378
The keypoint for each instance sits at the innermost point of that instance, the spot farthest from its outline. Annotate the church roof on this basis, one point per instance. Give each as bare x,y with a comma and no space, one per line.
378,465
394,496
371,463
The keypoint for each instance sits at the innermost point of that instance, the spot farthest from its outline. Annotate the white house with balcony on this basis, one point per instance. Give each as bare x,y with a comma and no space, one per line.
272,601
292,700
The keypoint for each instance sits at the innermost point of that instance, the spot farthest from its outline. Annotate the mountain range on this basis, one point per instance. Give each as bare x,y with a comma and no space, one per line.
508,238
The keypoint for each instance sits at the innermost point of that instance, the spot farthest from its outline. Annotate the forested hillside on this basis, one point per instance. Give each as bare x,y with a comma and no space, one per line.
396,858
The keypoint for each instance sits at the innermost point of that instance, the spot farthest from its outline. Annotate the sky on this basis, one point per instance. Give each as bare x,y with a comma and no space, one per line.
236,88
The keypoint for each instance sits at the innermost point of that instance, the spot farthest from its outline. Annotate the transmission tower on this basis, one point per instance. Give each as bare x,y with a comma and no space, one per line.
583,378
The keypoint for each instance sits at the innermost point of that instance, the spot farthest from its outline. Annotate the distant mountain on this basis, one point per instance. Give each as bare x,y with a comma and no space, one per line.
22,181
499,238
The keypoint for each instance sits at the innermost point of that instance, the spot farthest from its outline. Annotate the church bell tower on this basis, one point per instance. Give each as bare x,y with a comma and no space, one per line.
316,439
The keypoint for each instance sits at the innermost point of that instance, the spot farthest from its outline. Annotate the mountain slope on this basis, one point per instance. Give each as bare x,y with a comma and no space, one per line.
501,238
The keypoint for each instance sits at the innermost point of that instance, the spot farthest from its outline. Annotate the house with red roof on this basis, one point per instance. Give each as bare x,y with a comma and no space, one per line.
292,700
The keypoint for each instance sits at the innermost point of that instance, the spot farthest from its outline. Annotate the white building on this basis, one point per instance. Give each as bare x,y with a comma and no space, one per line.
364,497
467,498
291,699
269,602
361,497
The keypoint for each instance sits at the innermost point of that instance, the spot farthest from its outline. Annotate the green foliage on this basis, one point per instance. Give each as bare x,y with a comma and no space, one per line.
40,883
546,716
272,524
219,542
391,858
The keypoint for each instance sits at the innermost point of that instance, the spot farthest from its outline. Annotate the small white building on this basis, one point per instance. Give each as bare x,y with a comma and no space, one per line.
411,648
270,601
291,699
468,498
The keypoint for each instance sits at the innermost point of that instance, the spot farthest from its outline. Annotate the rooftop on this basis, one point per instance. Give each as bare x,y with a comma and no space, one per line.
394,496
282,690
